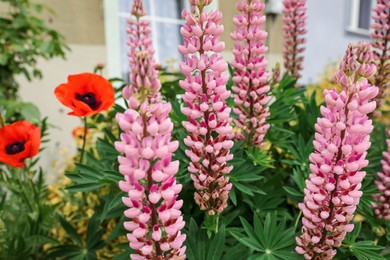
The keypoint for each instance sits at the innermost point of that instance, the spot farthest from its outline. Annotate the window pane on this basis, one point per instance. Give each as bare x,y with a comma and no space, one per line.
364,14
168,37
169,8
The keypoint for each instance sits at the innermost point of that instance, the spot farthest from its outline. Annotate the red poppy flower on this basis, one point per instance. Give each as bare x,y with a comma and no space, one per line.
86,94
19,141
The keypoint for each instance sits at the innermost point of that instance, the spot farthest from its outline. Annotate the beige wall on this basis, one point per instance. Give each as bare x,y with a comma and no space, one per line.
273,26
80,21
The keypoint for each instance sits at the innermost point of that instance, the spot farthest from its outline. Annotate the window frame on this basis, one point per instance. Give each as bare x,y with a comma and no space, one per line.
353,22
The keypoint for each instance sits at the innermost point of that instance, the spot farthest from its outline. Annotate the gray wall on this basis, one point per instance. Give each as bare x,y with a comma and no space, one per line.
327,35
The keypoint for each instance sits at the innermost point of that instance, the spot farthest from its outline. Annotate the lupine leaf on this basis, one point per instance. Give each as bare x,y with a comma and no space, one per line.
365,250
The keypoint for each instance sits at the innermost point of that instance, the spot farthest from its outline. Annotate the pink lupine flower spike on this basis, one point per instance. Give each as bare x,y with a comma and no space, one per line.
205,98
155,220
294,18
332,191
250,76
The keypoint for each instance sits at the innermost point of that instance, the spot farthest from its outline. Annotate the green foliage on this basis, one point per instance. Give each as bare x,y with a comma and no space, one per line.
200,246
25,216
24,37
77,249
13,110
268,239
262,218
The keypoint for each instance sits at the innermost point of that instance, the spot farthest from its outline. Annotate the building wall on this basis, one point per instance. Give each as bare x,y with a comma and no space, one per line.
327,36
80,21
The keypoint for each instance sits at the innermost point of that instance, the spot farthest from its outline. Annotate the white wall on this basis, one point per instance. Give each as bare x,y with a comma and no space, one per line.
327,35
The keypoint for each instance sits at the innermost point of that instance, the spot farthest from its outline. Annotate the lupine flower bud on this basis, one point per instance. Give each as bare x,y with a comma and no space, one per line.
294,17
155,220
138,9
250,76
143,74
382,204
359,61
208,115
332,191
381,44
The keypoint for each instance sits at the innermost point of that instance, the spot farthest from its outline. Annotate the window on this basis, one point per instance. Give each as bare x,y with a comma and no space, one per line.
360,16
165,19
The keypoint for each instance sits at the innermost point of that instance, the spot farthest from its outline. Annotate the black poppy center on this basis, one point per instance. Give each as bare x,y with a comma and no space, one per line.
89,99
15,148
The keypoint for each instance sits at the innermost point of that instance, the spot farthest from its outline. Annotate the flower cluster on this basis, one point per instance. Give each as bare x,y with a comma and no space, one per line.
381,44
382,205
250,76
333,189
150,184
294,18
205,97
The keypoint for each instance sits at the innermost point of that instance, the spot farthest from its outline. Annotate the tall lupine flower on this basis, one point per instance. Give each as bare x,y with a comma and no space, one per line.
382,205
143,75
332,191
149,173
208,115
294,18
381,44
250,76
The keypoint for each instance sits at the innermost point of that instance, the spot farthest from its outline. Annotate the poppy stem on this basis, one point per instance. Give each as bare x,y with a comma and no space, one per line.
84,139
2,124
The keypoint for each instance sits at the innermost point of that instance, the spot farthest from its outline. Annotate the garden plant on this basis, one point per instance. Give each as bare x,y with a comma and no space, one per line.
215,161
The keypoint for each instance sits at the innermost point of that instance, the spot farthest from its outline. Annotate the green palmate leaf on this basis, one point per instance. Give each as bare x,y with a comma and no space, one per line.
84,187
217,245
200,247
88,172
233,196
71,231
293,191
252,244
94,235
237,252
366,250
299,179
66,252
259,157
271,239
365,205
113,176
243,177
